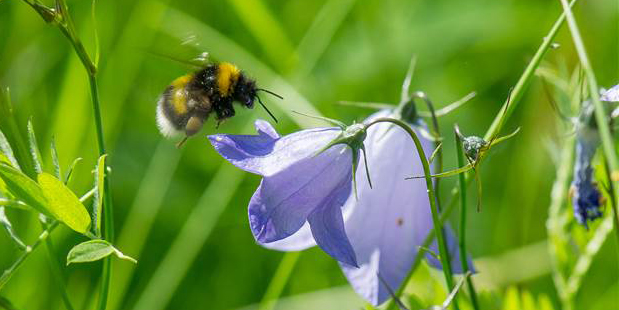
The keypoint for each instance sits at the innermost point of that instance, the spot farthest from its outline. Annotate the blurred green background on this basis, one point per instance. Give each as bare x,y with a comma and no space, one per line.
182,212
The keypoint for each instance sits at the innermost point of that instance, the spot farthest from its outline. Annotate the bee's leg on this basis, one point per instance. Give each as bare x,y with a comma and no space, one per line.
224,111
193,126
180,143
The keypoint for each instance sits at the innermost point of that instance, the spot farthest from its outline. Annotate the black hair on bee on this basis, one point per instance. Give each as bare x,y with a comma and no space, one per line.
187,103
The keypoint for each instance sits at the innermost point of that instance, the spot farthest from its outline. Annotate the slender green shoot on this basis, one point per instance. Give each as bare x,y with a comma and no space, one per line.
462,235
62,19
601,116
438,227
516,95
279,280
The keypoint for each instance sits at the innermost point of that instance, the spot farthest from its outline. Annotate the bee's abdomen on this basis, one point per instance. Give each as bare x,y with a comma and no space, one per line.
172,111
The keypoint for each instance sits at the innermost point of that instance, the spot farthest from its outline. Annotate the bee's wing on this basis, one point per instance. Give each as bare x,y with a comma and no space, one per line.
187,51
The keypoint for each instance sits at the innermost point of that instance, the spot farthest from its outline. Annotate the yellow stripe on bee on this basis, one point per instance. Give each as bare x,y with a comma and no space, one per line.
227,75
179,94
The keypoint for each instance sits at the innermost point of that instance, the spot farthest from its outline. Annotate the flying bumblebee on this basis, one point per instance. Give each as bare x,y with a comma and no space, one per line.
187,103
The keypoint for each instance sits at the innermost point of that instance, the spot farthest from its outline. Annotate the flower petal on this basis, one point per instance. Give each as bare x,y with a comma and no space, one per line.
388,222
300,240
327,225
611,94
281,204
267,153
454,253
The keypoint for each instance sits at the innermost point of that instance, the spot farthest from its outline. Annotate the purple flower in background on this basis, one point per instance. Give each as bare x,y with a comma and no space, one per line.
611,95
586,197
376,234
306,180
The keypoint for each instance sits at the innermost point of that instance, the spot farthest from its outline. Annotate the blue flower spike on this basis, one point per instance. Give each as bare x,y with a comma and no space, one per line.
586,197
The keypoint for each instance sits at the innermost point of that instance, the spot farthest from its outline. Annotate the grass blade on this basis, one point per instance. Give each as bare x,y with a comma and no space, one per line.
34,149
57,170
4,220
99,194
6,149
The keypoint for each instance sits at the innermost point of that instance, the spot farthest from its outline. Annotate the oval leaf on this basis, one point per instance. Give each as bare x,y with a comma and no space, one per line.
63,203
94,250
23,188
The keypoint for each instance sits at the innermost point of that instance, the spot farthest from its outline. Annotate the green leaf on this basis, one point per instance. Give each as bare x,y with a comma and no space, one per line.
54,150
94,250
100,186
23,188
4,221
63,203
34,148
67,178
6,149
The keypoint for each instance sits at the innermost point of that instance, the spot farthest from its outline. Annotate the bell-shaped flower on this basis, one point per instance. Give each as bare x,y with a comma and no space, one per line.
299,201
306,178
389,222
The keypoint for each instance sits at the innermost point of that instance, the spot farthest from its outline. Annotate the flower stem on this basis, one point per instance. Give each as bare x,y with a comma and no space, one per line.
516,96
57,273
613,200
6,275
438,231
557,221
525,79
61,18
279,280
462,243
600,114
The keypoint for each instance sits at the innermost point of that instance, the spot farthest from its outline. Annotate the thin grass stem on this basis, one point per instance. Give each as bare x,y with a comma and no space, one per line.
63,20
516,96
279,280
462,235
601,116
438,227
6,275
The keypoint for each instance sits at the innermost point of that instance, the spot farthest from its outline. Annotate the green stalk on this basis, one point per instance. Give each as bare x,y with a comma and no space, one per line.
613,199
61,18
556,222
525,79
279,280
600,113
6,275
438,227
57,273
516,96
462,243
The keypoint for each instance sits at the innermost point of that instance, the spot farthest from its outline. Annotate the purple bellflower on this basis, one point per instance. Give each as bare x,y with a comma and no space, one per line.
611,95
306,198
586,197
305,183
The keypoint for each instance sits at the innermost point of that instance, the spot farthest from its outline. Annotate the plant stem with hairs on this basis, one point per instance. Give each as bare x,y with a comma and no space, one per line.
462,243
60,17
438,227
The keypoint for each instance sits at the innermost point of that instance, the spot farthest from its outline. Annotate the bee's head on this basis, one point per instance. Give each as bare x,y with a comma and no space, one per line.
245,91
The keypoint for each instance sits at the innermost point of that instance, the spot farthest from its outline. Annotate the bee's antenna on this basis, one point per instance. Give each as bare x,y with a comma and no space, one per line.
270,92
180,143
265,107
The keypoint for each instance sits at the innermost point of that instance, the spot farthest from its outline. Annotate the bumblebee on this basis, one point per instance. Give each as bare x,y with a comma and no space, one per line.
187,103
